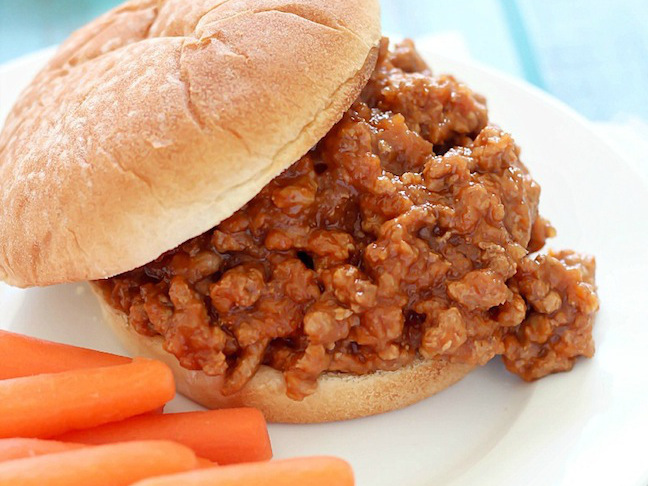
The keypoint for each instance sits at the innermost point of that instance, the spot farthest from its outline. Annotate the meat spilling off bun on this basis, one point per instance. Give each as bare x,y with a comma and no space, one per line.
160,119
338,396
291,213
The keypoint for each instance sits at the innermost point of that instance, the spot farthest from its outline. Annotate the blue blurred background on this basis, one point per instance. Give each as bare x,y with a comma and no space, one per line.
592,54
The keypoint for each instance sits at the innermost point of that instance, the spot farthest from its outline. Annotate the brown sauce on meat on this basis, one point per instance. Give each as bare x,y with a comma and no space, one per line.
406,231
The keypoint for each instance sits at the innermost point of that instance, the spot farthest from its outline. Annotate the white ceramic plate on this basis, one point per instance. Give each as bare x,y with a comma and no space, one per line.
588,426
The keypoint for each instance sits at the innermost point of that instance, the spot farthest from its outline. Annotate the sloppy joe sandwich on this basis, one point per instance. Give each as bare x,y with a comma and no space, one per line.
291,212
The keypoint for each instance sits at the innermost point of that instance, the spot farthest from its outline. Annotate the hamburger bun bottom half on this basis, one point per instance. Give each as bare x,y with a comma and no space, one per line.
339,396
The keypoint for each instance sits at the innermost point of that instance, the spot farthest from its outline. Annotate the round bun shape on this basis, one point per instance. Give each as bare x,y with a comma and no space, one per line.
339,396
158,120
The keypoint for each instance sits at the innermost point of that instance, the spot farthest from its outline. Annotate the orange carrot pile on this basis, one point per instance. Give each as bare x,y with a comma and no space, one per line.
47,405
223,436
108,465
106,414
311,471
26,356
11,449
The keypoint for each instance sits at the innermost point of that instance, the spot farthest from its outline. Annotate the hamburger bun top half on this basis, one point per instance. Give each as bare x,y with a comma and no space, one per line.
158,120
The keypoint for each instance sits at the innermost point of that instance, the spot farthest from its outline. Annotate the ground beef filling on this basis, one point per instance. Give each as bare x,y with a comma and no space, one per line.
406,232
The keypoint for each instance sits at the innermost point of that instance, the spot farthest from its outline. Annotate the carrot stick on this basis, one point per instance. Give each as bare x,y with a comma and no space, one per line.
203,463
19,448
26,356
108,465
311,471
47,405
224,436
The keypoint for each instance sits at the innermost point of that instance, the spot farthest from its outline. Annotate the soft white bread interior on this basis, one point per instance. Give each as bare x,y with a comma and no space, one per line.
160,119
338,396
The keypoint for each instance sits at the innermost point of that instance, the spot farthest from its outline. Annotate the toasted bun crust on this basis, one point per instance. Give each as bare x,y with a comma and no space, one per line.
338,396
160,119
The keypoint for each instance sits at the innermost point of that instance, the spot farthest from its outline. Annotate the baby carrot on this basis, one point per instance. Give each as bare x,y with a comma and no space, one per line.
26,356
311,471
47,405
223,436
202,463
108,465
19,448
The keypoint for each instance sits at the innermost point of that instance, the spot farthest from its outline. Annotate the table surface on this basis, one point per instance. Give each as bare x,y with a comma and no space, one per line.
592,54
